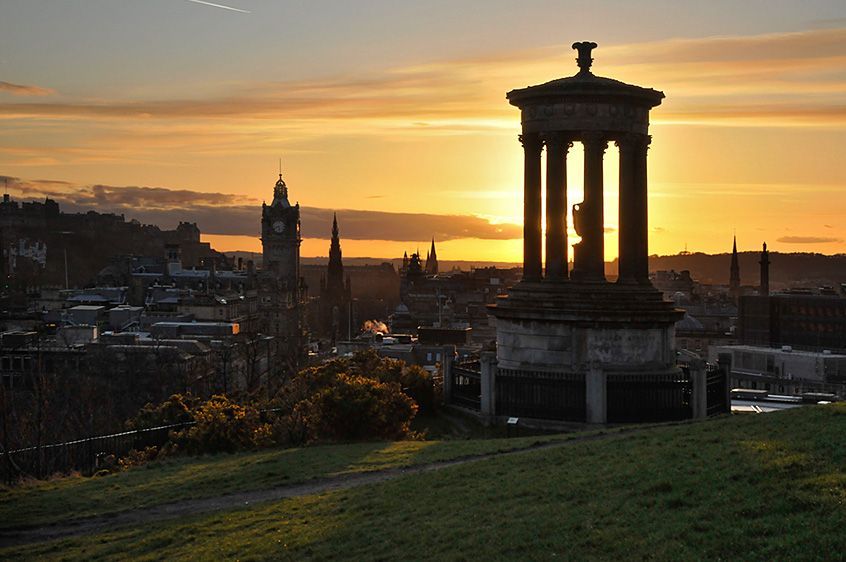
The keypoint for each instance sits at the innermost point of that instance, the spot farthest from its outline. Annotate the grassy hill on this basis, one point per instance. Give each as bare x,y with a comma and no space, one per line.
744,487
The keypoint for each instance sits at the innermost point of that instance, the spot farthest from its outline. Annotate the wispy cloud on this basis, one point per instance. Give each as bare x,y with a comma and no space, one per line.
24,89
808,240
223,213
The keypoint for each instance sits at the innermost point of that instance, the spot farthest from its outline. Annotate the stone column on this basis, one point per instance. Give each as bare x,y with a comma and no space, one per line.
532,241
640,229
446,367
699,390
628,240
596,394
588,217
556,207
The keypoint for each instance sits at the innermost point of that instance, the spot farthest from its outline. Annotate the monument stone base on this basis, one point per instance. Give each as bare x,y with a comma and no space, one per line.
608,337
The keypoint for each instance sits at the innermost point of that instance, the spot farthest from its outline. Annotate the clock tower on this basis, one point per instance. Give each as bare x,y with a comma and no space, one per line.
280,236
281,290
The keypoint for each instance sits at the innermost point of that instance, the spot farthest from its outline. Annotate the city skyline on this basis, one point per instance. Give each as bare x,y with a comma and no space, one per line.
401,109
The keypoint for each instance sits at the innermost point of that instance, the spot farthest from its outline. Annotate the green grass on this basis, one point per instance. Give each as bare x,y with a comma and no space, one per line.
188,478
746,487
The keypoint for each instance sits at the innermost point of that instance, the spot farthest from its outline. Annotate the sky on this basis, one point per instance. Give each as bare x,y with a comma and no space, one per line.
393,114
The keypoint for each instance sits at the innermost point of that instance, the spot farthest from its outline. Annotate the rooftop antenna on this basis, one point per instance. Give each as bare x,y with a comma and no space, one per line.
280,167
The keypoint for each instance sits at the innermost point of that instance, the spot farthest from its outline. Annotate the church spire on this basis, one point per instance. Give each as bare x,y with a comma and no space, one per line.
432,260
335,275
734,273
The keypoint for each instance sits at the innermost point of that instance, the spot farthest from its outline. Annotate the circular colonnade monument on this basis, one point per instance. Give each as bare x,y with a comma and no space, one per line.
570,344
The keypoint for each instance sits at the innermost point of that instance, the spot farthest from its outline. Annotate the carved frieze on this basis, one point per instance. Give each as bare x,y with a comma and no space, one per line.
584,115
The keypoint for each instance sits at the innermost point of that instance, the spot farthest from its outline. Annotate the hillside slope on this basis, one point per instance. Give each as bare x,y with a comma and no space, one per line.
744,487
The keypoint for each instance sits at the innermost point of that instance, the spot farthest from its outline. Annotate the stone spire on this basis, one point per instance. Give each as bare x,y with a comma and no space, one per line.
335,275
765,271
734,275
432,260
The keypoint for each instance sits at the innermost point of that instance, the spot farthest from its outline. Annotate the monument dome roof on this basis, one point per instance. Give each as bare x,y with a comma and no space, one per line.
585,85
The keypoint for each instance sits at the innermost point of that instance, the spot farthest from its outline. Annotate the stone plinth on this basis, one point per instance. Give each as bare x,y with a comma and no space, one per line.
569,326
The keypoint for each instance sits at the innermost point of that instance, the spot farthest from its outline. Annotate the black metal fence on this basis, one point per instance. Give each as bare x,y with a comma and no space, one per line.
87,455
649,398
466,385
83,455
537,394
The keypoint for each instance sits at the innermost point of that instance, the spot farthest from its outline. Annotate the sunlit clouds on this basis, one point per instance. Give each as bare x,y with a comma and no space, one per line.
24,89
746,119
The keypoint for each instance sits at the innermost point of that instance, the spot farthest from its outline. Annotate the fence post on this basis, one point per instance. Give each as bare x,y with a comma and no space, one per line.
488,399
596,394
724,363
446,366
699,390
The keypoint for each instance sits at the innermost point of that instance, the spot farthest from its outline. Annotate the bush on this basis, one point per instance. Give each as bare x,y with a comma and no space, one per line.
176,409
223,426
356,407
414,381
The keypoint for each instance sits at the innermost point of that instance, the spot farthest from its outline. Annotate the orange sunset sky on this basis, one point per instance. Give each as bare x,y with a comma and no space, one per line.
394,115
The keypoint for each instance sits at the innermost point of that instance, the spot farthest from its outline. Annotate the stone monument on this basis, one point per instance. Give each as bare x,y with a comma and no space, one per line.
570,344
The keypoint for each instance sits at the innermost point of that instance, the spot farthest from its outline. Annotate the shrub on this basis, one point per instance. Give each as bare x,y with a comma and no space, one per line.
356,407
223,426
176,409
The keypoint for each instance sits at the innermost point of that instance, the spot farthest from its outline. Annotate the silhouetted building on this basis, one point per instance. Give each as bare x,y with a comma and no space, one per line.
804,320
336,321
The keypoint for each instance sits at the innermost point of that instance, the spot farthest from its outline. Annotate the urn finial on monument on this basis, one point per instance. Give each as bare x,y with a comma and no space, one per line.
584,60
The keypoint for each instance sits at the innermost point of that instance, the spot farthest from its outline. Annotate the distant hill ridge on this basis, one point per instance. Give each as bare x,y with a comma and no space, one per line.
786,269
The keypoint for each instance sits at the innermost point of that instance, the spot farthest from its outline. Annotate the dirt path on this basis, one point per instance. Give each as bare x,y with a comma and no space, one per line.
138,517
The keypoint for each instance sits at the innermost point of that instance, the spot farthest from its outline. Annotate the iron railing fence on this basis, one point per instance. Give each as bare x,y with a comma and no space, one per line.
649,397
466,388
86,455
538,394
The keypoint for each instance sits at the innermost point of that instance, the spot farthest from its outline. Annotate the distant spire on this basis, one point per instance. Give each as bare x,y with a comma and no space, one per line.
335,274
734,272
432,260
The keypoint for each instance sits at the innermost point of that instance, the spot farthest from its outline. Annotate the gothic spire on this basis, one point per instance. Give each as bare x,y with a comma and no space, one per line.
432,260
336,267
734,273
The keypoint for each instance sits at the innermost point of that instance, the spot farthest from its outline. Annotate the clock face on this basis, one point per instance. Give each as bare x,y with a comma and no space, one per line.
279,227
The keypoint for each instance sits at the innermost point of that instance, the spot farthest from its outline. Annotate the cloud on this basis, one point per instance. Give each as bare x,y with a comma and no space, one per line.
808,240
222,213
763,79
24,90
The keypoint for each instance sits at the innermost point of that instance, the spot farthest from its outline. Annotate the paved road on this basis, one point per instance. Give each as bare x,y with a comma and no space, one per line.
763,405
